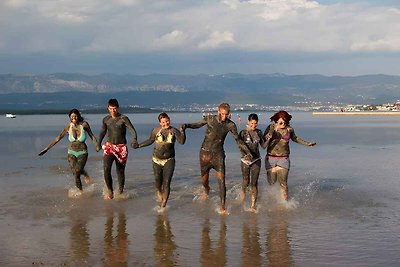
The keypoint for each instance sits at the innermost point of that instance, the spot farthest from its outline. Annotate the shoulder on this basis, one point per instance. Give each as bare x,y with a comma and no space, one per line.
106,118
67,127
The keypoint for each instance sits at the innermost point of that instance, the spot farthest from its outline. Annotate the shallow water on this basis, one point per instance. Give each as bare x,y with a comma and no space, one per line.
344,207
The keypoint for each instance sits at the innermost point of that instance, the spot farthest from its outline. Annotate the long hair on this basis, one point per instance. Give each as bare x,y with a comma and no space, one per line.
77,113
281,114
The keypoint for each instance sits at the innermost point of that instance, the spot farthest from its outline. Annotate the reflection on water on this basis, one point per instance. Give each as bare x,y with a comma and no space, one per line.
251,249
164,244
278,245
79,240
213,253
116,241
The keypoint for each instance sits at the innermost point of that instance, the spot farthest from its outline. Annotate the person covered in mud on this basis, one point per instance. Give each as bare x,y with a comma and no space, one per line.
252,137
164,137
115,148
77,130
212,154
277,162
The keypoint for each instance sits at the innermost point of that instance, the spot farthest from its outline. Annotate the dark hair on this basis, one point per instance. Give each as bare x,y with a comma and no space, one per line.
113,103
253,116
75,111
162,116
281,114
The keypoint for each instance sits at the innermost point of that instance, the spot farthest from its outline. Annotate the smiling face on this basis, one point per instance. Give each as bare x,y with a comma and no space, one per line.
252,124
74,118
164,122
281,123
223,114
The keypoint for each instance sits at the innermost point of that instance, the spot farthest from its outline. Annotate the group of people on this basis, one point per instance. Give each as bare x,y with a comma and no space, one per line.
212,155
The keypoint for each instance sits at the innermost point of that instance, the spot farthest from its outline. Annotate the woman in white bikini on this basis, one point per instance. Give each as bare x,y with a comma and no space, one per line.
77,149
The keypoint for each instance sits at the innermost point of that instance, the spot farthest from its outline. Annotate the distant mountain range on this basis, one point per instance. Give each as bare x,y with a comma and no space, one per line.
61,91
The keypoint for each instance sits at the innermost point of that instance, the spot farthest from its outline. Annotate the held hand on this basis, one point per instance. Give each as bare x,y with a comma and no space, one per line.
248,157
183,127
312,144
98,147
134,145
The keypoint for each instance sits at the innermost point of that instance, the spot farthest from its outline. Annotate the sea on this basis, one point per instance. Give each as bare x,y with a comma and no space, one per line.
344,207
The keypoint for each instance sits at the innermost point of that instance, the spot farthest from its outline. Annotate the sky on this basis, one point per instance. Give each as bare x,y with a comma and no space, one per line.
327,37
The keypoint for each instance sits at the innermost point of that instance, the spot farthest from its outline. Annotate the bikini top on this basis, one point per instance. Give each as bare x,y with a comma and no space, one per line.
80,138
287,136
162,139
249,138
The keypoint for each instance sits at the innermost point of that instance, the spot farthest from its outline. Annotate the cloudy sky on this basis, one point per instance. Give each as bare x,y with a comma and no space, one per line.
200,36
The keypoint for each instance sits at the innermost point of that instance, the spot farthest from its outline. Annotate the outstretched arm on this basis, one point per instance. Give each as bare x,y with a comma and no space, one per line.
132,130
86,127
298,140
195,125
180,135
55,141
149,141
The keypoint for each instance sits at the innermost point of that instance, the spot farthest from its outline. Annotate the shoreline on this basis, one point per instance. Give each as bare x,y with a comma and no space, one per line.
357,113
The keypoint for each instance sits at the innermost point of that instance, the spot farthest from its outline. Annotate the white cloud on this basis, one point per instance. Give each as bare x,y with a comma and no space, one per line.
171,39
126,26
217,39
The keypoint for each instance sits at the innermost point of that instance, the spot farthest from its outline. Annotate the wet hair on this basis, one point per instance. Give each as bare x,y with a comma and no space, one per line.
281,114
253,116
162,115
77,113
225,106
113,103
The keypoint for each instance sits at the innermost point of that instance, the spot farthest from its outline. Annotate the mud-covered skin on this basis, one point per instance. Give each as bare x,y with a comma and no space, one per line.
252,139
115,128
277,140
216,133
76,164
250,174
164,149
212,154
279,146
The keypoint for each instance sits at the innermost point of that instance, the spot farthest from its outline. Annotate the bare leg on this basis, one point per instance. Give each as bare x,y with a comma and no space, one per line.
246,179
205,182
271,176
282,177
168,172
121,175
222,190
158,174
107,164
255,173
86,177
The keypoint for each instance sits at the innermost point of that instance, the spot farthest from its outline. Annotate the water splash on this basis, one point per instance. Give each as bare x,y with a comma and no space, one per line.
160,210
87,192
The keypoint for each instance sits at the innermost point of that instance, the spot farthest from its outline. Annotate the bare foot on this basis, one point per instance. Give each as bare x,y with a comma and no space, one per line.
253,209
110,195
223,211
86,178
204,196
159,196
